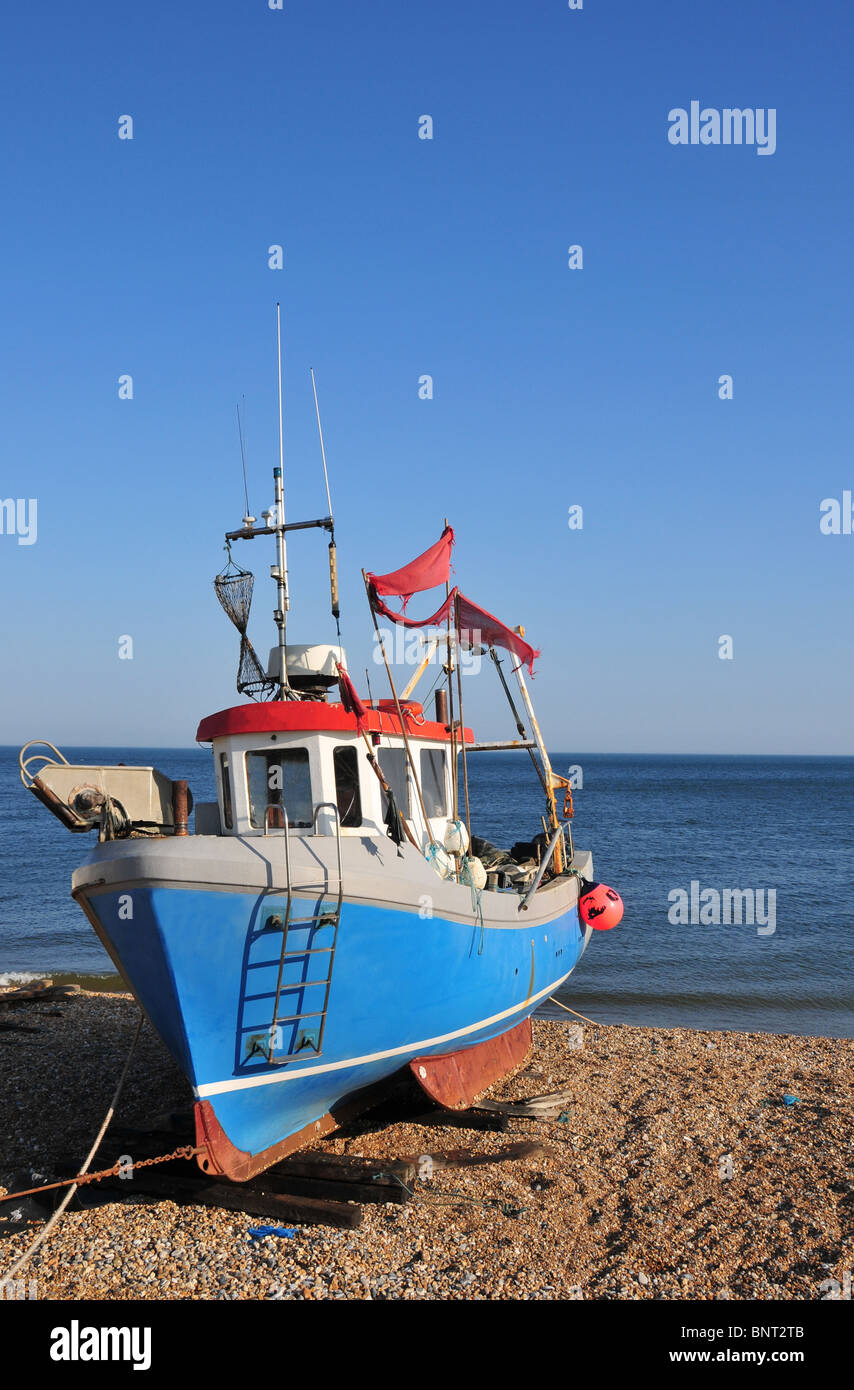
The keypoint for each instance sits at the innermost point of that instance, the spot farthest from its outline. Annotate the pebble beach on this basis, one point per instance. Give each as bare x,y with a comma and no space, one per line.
686,1165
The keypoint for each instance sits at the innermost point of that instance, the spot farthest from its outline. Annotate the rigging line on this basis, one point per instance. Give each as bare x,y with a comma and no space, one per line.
440,676
553,1000
322,449
336,616
43,1235
240,431
519,725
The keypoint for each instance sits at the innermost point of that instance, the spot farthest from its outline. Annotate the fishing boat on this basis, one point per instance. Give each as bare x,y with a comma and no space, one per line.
332,919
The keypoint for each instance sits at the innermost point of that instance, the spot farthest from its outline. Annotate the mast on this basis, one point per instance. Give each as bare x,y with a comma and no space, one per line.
280,570
275,678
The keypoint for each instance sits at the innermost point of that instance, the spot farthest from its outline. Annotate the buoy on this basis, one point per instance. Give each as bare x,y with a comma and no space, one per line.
456,837
599,906
440,860
474,874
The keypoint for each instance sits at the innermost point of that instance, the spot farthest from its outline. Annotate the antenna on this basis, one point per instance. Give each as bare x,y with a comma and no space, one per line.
320,433
240,431
333,554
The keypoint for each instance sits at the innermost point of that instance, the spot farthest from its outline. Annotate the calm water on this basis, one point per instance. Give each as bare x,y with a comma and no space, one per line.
654,824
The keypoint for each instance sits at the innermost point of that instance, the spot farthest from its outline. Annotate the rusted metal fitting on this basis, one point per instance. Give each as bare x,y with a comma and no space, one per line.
180,807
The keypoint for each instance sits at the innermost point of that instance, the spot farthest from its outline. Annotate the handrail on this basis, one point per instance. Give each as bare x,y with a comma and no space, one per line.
281,807
322,1014
331,805
544,864
23,763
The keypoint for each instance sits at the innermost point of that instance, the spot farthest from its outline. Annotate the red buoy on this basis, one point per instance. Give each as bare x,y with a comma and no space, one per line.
599,906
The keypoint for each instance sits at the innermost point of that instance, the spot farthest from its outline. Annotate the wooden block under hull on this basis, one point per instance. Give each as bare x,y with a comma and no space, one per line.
456,1079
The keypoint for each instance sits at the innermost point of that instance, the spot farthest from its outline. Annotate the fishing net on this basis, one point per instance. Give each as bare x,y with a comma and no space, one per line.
234,590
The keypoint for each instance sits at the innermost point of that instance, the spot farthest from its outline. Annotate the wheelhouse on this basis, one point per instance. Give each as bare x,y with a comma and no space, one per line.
302,759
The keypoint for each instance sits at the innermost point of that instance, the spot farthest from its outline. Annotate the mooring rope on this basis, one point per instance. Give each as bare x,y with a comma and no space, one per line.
43,1235
553,1000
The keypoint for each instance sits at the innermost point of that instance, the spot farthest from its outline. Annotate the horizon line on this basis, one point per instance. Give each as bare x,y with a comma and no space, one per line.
588,753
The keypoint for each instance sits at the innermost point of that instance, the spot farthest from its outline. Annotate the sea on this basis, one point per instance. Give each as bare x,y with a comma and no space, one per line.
735,872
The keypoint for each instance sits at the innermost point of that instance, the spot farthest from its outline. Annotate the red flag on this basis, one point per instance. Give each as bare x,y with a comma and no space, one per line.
482,629
425,572
438,619
476,626
349,696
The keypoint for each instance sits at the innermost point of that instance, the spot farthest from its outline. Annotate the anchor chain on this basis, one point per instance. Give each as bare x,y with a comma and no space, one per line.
185,1151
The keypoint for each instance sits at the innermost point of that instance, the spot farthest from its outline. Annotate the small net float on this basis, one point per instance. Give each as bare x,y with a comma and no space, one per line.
456,837
474,874
599,906
439,859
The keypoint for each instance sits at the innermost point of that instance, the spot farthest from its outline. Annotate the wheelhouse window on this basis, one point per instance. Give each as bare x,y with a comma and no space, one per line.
393,763
225,778
433,781
280,778
346,763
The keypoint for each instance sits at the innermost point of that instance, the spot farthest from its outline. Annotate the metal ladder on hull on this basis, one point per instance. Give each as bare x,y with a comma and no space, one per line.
321,918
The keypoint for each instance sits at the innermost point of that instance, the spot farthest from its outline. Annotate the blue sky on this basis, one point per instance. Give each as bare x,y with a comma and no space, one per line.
446,257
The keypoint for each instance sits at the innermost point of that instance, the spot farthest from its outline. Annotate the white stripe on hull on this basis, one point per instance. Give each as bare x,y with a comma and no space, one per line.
218,1088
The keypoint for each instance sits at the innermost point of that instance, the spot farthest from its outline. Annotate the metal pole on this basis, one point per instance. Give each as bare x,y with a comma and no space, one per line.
544,864
462,721
520,727
455,790
409,753
283,602
544,757
430,649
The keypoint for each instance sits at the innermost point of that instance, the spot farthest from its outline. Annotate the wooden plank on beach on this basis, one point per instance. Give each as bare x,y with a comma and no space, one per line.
476,1118
465,1158
370,1181
201,1191
302,1211
292,1185
344,1167
535,1108
43,991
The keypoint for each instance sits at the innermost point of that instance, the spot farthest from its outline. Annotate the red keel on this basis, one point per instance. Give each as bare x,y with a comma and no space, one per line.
225,1160
456,1079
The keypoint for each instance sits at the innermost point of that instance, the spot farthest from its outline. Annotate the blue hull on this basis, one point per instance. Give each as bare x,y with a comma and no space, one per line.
204,964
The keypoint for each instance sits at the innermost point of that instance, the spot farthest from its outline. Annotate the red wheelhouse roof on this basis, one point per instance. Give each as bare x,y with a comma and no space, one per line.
312,716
